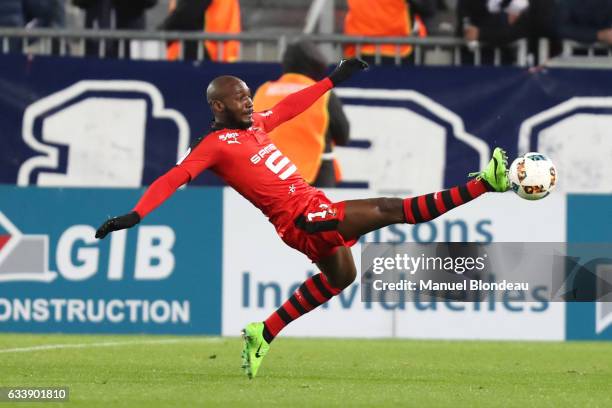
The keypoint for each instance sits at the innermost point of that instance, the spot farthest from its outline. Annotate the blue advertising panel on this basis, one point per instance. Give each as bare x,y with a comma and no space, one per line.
162,276
588,221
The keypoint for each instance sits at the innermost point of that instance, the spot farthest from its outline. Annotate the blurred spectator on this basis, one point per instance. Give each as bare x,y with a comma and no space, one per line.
126,14
210,16
308,139
441,20
585,21
11,15
421,13
32,14
384,18
498,23
44,13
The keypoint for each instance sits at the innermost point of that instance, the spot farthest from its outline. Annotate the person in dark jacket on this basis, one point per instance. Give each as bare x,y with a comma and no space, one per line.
188,15
45,13
129,15
31,13
498,24
11,15
209,16
585,21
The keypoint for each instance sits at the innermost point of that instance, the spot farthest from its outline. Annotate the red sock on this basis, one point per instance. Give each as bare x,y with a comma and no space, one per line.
427,207
315,291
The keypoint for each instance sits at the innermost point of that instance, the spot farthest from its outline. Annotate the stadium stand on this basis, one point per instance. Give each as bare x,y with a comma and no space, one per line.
269,25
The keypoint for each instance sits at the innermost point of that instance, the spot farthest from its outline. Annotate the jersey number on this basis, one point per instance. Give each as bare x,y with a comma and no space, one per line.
321,214
278,166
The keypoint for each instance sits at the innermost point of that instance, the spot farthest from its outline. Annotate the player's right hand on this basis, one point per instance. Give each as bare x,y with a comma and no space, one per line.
346,68
118,223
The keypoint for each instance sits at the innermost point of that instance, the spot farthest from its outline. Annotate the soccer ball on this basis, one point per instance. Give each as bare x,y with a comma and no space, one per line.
533,176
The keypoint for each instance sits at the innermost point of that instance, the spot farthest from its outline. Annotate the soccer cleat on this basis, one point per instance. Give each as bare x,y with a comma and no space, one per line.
255,348
496,172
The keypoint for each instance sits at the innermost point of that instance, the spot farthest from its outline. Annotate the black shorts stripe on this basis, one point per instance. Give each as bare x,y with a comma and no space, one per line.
448,200
319,284
465,194
431,206
416,213
284,315
308,296
312,227
296,304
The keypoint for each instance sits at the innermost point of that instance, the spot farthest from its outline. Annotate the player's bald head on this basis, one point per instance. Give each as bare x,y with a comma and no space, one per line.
230,101
222,86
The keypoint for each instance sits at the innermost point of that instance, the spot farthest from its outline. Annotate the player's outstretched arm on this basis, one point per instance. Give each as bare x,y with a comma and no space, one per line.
298,102
157,193
346,69
118,223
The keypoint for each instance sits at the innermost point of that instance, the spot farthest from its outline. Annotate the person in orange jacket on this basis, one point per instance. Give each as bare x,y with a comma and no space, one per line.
384,18
211,16
308,140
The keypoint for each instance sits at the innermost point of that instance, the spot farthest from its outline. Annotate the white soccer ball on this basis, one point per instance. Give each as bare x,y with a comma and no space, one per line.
533,176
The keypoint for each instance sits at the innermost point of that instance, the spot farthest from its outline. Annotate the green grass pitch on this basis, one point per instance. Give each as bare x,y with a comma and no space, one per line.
148,371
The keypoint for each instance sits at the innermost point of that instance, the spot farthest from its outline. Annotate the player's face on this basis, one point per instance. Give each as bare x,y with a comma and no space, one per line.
239,105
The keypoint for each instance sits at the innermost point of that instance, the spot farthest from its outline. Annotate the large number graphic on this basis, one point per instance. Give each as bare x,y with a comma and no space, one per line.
408,134
105,126
575,134
277,166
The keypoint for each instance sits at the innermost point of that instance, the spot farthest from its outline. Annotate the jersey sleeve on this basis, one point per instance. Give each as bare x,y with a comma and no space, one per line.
161,190
293,105
198,158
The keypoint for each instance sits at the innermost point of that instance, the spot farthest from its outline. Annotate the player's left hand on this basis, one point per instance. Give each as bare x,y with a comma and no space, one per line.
118,223
346,68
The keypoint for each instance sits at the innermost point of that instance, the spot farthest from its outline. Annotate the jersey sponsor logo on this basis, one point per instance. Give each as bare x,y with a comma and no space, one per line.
256,158
276,162
266,114
102,128
230,138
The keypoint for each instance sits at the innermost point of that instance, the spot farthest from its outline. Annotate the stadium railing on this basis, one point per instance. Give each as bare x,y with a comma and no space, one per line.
577,55
72,43
266,46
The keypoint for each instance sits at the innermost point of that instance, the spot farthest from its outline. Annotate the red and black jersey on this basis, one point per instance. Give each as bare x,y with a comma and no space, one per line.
248,161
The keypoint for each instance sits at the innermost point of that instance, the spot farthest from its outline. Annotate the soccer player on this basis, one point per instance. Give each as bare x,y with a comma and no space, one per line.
239,150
